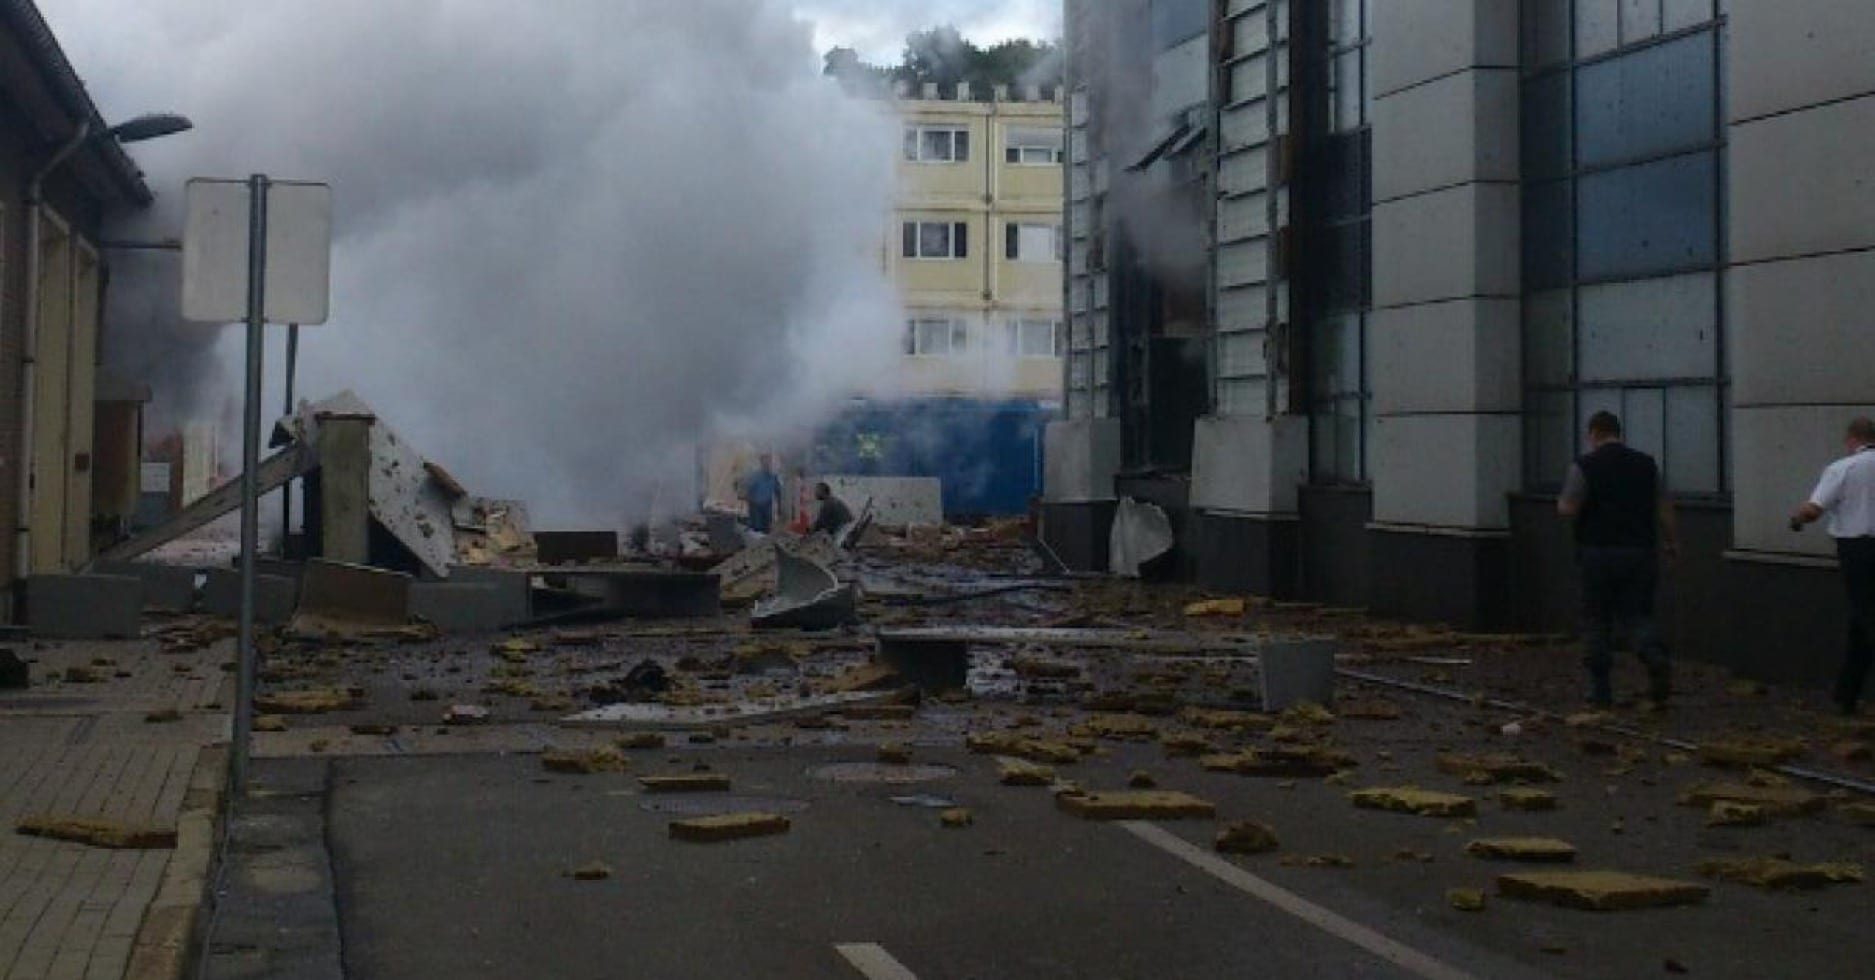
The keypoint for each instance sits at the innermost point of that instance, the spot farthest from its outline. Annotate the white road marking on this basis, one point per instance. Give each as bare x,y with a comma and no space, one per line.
1402,956
873,962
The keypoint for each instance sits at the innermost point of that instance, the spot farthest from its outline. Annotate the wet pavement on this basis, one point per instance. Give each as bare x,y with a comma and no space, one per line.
458,832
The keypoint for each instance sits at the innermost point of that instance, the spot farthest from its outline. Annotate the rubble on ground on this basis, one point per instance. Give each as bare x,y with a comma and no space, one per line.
1777,874
1136,805
1408,799
1540,850
1601,891
728,827
94,832
584,762
1246,837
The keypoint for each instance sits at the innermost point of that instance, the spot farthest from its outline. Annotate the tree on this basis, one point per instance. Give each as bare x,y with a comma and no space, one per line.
942,55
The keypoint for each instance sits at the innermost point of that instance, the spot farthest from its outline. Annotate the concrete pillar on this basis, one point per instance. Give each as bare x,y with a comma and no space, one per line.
345,488
1801,128
1444,337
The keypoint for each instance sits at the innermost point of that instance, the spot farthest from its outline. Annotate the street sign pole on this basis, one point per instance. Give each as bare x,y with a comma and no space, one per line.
286,492
250,475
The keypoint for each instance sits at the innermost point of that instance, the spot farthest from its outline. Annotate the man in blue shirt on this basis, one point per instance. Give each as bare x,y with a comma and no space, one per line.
763,492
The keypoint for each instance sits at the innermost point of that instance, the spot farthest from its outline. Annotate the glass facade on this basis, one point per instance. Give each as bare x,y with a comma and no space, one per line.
1340,395
1623,167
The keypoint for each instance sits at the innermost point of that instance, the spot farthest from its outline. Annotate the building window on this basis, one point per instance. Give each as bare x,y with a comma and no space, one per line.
937,144
1036,337
1623,157
1176,21
1032,242
1340,395
1034,147
936,336
935,240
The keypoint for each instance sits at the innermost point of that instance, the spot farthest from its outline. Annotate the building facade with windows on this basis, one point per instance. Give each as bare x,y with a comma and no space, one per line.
977,248
1346,278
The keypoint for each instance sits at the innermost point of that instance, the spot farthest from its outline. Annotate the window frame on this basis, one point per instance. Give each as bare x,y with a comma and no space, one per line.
1015,327
1330,402
1015,152
1580,395
1012,239
916,135
956,330
912,241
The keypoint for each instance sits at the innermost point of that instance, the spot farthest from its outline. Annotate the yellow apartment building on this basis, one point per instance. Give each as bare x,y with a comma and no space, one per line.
978,246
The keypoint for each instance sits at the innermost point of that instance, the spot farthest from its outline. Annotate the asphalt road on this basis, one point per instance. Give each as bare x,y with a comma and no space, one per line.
474,849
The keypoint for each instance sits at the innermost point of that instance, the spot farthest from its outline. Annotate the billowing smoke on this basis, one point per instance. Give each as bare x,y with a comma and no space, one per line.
574,239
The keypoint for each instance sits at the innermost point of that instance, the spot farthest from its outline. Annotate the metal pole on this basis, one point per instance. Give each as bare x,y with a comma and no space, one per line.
250,476
286,492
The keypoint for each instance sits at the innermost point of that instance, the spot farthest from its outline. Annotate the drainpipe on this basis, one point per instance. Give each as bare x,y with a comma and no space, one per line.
29,347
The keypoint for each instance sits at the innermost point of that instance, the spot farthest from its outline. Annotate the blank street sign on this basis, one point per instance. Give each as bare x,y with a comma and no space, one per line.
299,252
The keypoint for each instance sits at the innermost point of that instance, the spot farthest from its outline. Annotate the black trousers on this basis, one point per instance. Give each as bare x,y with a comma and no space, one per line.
1618,586
1857,557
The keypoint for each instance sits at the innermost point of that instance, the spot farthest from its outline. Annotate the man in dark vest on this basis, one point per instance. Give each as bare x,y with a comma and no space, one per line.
1623,519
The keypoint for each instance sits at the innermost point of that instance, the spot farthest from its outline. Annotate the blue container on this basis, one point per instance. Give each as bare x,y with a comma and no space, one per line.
986,454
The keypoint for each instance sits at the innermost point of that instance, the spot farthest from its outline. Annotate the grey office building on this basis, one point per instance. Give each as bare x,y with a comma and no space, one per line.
1347,277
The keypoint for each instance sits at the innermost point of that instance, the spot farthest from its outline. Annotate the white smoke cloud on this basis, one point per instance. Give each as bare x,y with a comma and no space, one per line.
574,239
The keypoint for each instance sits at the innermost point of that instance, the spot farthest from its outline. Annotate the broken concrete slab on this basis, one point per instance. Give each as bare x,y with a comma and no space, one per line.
1778,874
584,762
1601,891
337,595
700,782
1779,801
1136,805
1032,749
94,832
591,871
1539,850
1465,899
1215,607
275,596
1120,727
640,740
1725,813
728,827
84,607
1283,762
956,818
166,588
1226,720
312,702
1246,837
458,607
269,723
513,597
1019,772
1409,799
1496,767
1527,800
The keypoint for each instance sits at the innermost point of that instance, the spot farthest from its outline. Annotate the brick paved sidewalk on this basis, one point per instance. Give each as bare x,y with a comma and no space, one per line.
86,750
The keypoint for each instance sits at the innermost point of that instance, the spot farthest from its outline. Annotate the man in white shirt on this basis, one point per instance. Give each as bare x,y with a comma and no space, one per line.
1846,495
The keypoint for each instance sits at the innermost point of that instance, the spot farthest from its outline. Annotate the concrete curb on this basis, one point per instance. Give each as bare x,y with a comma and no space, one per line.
167,940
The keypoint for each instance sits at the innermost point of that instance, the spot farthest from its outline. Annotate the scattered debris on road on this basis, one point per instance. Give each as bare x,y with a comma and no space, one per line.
94,832
728,827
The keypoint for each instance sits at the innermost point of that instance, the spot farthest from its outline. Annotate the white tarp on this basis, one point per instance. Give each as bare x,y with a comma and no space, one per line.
1141,532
